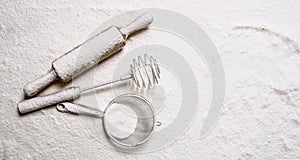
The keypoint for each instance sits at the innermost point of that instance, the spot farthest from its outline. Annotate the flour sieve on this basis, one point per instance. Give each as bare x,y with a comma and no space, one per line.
133,107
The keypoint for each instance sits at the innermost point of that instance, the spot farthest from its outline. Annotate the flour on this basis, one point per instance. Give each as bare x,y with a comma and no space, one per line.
121,120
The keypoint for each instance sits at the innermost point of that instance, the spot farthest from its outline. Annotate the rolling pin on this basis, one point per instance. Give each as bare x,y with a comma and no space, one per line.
87,54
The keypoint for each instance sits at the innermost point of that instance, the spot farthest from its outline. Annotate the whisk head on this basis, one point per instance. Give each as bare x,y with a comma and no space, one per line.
145,71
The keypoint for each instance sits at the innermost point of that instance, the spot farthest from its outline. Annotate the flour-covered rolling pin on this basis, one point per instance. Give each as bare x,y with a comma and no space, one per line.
87,54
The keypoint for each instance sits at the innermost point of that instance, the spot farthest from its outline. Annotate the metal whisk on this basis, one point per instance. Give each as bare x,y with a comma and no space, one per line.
144,73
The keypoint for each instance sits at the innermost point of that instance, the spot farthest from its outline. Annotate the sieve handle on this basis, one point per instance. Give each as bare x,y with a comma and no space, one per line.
37,103
79,109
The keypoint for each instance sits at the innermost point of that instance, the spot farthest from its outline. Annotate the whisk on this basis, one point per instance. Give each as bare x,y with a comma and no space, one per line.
144,72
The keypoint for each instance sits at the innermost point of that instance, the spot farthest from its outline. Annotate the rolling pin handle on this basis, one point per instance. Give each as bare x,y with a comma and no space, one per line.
32,88
140,22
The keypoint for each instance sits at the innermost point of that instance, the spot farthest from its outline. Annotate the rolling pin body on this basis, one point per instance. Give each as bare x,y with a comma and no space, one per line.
88,54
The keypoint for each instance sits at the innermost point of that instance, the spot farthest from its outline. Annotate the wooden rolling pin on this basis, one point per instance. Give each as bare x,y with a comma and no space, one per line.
87,54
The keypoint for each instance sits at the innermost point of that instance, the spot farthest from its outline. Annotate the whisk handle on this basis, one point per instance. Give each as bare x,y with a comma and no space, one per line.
37,103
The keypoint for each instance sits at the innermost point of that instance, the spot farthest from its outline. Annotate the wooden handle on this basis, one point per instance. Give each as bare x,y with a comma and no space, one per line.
32,88
37,103
139,23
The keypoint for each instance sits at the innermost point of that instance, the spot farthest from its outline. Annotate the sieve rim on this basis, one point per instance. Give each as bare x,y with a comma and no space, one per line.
128,95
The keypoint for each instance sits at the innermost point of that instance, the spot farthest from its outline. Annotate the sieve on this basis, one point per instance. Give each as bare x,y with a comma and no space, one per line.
138,108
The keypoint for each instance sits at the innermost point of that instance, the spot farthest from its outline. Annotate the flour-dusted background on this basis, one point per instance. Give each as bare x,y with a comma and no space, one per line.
258,42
